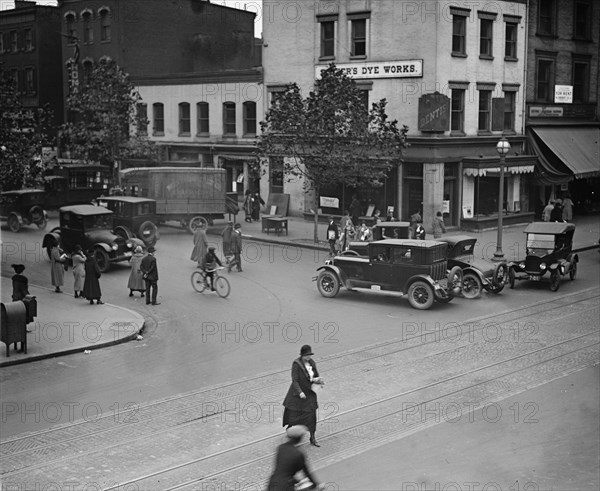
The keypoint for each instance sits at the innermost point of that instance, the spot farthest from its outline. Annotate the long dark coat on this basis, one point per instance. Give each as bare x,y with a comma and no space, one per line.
227,235
288,462
148,267
236,243
301,383
91,285
20,285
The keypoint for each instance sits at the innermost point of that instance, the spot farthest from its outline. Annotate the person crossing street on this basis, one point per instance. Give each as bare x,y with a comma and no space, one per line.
236,248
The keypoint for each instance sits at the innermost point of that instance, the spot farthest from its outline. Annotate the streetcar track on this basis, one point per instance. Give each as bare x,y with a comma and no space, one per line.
165,413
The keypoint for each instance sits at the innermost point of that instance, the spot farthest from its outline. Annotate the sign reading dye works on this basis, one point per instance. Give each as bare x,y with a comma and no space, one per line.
379,69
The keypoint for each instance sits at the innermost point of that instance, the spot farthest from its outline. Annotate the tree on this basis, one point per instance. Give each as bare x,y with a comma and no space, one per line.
23,133
330,138
102,111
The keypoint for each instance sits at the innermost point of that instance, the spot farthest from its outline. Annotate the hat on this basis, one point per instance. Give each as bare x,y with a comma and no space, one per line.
229,222
306,350
237,225
19,268
151,249
138,249
211,248
296,432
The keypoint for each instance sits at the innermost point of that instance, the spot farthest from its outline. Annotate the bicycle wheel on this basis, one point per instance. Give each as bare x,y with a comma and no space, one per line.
222,286
198,281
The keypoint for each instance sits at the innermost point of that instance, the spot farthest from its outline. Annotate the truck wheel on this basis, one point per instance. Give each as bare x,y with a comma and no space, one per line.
148,232
123,232
328,284
13,223
573,271
420,295
554,281
195,223
102,260
471,286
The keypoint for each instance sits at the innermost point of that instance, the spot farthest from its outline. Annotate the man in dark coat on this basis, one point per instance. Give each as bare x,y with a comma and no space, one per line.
301,401
289,461
227,235
556,213
236,248
91,285
333,235
150,274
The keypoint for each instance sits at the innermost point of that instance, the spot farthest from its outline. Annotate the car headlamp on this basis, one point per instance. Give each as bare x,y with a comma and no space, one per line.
114,247
543,266
129,245
522,265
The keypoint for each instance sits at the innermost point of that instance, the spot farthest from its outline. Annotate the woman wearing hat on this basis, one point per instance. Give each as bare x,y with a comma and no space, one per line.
91,285
136,280
78,258
301,401
289,461
20,283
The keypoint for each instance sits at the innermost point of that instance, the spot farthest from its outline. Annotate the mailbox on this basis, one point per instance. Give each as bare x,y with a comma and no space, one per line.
13,328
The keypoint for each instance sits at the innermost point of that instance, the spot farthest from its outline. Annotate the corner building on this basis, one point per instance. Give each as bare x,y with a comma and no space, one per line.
452,71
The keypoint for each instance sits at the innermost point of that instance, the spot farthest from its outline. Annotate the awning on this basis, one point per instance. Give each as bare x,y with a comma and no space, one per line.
515,169
567,151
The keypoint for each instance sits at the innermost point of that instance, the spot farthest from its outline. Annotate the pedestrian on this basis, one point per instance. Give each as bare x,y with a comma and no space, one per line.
345,220
257,201
567,208
227,235
20,283
420,231
556,214
78,258
289,461
200,245
438,225
301,400
236,248
333,234
136,281
58,260
211,261
355,210
348,235
149,270
91,284
548,210
248,206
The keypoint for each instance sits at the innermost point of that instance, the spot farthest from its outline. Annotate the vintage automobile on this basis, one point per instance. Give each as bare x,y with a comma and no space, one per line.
417,269
549,251
381,231
91,227
133,217
478,274
23,207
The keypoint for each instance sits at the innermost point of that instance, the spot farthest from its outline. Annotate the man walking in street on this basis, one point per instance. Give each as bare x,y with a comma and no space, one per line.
150,274
236,248
333,235
227,235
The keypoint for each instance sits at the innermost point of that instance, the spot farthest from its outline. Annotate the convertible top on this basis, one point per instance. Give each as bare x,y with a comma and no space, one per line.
425,244
550,228
86,210
126,199
18,192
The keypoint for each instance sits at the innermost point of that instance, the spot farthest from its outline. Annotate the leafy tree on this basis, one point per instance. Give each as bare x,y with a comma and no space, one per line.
330,137
23,133
102,111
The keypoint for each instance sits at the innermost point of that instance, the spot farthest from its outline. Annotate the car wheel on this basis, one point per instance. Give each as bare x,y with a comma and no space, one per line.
554,281
123,232
36,214
573,271
420,295
13,223
499,278
454,280
471,286
195,223
41,224
102,260
511,278
445,297
148,232
328,284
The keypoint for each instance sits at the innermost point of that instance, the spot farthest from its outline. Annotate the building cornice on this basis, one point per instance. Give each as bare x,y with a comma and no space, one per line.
228,76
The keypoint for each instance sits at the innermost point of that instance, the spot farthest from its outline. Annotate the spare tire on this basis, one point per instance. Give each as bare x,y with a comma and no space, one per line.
148,232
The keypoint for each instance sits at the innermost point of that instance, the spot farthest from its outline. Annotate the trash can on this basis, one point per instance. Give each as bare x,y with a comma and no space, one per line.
30,307
13,328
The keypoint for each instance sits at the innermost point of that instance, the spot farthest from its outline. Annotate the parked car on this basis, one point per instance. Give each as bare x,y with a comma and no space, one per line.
417,269
549,252
91,227
133,217
478,274
381,231
23,207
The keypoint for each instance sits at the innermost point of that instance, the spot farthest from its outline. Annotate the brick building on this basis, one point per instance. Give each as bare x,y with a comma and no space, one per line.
453,71
563,103
30,54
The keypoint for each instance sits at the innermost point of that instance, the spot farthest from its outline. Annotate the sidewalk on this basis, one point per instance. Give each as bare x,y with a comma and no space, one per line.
67,325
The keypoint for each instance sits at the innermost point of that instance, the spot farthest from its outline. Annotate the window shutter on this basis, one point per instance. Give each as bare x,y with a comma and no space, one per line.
498,114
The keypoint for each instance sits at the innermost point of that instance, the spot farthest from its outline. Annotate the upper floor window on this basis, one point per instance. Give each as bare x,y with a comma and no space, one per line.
328,39
158,118
582,20
581,81
71,31
88,27
485,108
486,34
249,118
509,110
229,118
359,37
105,28
202,118
184,119
459,35
28,39
2,47
546,17
457,111
141,118
544,85
88,67
30,80
510,41
14,41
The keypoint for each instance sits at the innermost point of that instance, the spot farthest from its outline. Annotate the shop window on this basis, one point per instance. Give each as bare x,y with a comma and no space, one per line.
328,39
582,20
485,107
510,41
486,34
88,28
141,118
184,119
249,109
544,86
229,128
202,118
158,119
581,80
105,25
457,119
546,17
359,37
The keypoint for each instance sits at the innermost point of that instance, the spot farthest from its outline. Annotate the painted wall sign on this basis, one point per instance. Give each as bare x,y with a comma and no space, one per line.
545,112
563,94
379,69
434,112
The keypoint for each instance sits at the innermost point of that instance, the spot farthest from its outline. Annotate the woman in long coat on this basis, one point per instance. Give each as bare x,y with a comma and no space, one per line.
78,258
200,245
136,279
301,401
91,286
57,264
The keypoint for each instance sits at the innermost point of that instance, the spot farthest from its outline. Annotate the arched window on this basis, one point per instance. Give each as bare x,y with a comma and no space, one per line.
249,118
229,118
70,28
88,26
158,118
184,119
88,67
105,29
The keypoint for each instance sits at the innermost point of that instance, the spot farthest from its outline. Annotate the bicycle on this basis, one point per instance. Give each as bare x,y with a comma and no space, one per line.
200,282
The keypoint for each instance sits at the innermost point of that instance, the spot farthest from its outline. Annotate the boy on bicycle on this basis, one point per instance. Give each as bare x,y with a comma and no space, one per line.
210,264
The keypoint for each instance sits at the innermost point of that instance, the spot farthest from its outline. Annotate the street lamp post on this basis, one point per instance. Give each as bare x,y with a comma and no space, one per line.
503,146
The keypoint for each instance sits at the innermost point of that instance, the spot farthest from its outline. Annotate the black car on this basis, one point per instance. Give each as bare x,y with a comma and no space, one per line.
417,269
91,227
549,253
380,231
133,217
23,207
478,274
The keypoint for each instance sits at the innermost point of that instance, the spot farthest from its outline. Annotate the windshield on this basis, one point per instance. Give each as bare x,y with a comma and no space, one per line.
540,244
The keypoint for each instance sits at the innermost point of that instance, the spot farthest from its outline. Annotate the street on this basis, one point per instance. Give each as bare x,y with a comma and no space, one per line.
202,355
